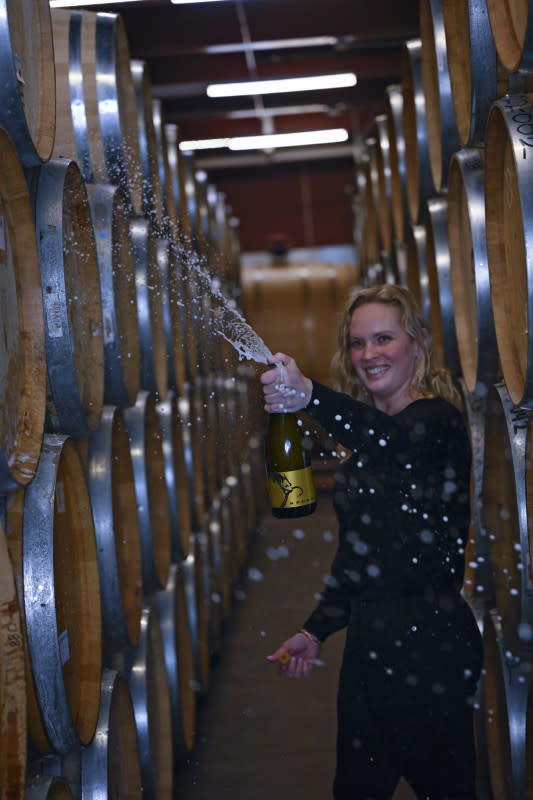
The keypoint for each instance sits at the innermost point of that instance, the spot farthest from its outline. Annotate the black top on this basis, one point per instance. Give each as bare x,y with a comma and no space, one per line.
402,500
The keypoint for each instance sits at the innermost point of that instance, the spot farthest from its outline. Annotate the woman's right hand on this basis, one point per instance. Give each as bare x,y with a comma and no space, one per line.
297,656
285,388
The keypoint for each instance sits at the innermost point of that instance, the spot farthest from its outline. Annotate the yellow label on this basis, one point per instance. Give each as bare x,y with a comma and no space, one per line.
291,489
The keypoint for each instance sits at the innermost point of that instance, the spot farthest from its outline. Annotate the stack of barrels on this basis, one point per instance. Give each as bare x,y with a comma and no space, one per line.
445,200
131,473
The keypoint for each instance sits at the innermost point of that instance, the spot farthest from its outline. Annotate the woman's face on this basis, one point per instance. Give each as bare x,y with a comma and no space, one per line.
383,354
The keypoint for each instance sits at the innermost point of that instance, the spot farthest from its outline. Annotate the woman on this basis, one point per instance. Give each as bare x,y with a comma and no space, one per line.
413,653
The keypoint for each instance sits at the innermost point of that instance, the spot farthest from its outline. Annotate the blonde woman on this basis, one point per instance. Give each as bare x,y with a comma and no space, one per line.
413,651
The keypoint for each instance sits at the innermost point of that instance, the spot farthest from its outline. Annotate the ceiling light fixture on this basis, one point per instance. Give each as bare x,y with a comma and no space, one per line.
269,141
76,3
184,2
313,82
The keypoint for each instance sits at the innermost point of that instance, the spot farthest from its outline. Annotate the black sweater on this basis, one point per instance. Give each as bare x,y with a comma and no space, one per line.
402,500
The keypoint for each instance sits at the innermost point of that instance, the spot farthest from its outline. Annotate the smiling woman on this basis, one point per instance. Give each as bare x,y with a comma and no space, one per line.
413,650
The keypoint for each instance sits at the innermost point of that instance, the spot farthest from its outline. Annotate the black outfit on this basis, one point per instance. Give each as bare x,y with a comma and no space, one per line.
413,650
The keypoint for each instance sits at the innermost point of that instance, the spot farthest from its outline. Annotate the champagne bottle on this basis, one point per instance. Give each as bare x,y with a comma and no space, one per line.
288,466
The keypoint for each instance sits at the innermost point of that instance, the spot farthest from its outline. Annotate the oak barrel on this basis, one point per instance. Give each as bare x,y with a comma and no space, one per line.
511,23
177,180
177,643
443,136
175,451
509,220
118,294
146,448
475,79
400,211
27,94
53,547
97,115
152,194
47,787
148,682
417,279
110,765
469,270
420,184
196,579
116,523
22,343
13,722
505,515
384,180
150,307
170,227
439,283
71,299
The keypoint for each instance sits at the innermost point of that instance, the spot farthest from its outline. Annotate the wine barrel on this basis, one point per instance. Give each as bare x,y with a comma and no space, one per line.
13,723
148,682
52,544
177,181
475,78
150,308
196,243
116,524
417,268
146,447
71,299
22,349
47,787
27,96
97,114
509,219
505,513
511,23
443,136
152,195
506,704
420,184
477,583
180,494
400,212
171,228
221,528
118,294
196,579
110,765
177,643
384,182
439,283
165,256
469,271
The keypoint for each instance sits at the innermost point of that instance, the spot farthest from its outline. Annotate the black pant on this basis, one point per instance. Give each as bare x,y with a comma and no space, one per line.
405,703
432,748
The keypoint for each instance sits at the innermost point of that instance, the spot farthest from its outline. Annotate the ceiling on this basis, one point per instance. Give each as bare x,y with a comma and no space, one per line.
188,46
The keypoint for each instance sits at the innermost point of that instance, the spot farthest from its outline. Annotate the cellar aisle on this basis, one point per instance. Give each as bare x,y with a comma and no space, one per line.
260,737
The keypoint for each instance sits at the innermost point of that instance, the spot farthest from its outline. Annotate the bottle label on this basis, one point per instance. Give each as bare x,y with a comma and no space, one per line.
291,489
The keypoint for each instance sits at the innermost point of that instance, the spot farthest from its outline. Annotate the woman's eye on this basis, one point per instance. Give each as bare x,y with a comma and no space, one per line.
356,344
383,339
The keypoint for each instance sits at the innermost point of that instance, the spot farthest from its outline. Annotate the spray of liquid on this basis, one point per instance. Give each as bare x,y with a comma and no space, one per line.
225,318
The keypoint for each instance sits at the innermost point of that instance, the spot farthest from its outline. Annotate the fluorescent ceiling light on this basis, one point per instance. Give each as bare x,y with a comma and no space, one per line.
183,2
269,141
76,3
203,144
312,82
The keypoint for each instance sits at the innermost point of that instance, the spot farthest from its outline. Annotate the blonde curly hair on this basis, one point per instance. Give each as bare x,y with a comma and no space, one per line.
430,379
